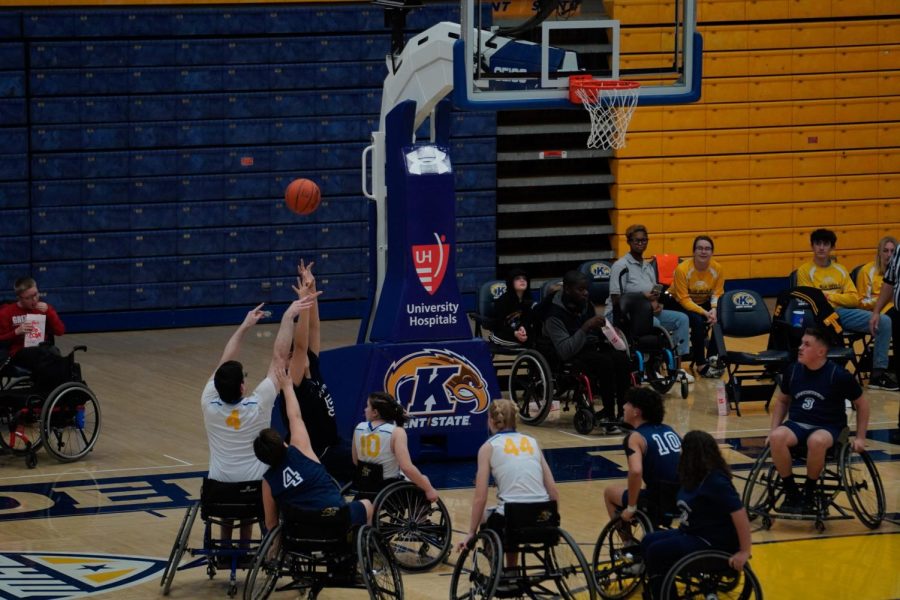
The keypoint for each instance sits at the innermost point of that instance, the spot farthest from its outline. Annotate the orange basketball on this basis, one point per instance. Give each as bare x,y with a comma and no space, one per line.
302,196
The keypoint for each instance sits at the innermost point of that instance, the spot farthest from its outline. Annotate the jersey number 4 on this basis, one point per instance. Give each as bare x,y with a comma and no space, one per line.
524,447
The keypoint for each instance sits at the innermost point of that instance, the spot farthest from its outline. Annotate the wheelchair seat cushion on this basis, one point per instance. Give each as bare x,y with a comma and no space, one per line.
329,528
231,500
368,479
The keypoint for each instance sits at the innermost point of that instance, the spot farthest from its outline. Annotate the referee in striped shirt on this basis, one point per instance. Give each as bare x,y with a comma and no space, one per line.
890,290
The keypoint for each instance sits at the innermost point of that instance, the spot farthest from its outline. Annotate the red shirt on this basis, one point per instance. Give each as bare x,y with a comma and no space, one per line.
11,315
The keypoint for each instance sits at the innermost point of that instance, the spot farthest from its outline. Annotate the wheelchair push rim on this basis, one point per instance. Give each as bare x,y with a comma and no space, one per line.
531,387
706,574
614,559
380,573
477,570
70,422
417,531
570,570
266,567
863,486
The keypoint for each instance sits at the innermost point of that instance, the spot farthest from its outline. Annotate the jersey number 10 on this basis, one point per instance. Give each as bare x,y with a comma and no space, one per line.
370,445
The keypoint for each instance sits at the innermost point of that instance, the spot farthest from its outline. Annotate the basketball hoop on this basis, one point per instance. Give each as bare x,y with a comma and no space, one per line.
610,103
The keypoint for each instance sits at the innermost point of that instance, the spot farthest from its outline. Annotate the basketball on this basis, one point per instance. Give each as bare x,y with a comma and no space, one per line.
302,196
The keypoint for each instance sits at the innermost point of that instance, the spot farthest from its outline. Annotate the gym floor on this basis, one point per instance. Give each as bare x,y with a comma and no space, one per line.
105,525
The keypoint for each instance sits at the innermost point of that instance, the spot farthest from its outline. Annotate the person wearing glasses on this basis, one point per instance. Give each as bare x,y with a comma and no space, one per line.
27,323
232,418
631,274
698,284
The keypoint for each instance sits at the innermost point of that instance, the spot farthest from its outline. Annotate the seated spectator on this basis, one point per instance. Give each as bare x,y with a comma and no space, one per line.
573,327
316,402
698,284
514,324
712,515
652,450
869,282
631,274
834,281
28,325
890,292
295,477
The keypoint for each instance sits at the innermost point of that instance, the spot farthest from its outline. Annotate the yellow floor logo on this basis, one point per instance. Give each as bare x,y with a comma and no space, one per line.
58,576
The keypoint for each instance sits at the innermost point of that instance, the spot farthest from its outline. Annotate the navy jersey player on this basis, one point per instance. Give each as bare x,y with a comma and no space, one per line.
653,450
812,394
295,476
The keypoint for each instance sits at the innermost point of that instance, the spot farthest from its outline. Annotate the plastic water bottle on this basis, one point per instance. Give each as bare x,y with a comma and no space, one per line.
79,417
721,398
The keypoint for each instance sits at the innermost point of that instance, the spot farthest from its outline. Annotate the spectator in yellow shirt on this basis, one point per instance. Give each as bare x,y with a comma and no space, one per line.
869,282
697,286
834,281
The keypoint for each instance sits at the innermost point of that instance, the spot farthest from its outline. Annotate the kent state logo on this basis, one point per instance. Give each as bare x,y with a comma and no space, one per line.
430,262
743,301
497,290
58,576
432,382
600,271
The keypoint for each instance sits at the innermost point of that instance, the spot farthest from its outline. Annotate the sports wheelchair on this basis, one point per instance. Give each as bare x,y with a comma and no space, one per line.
847,472
618,567
418,532
318,549
548,562
221,504
52,407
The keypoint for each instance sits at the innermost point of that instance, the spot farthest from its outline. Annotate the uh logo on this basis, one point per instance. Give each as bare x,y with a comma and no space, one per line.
433,382
430,262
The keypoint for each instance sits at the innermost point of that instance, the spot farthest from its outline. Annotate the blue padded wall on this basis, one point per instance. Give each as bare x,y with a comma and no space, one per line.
146,151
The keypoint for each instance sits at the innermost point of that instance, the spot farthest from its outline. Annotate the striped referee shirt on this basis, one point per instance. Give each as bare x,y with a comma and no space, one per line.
892,276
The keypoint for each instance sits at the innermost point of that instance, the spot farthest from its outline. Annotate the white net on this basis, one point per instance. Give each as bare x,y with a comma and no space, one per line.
611,109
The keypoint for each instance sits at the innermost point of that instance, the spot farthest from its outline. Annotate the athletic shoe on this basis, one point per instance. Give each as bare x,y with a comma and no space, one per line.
710,371
793,504
688,377
883,382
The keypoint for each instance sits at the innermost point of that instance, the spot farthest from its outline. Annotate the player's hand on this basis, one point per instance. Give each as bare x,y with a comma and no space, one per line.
627,515
858,444
711,317
431,495
42,307
283,377
24,327
595,322
738,560
465,543
306,274
254,316
657,307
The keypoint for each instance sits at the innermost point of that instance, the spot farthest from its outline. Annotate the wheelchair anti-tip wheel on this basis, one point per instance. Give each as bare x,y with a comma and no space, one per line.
706,574
863,485
616,564
266,567
531,386
179,548
570,571
477,570
70,421
417,531
583,420
380,573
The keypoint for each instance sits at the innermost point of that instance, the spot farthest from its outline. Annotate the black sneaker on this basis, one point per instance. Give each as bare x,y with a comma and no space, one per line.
793,505
883,382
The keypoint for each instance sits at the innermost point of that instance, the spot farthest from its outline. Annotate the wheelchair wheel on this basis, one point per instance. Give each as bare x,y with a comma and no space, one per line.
583,421
266,567
660,372
570,570
531,386
417,531
706,574
477,570
380,574
70,421
863,485
762,490
20,428
179,548
616,564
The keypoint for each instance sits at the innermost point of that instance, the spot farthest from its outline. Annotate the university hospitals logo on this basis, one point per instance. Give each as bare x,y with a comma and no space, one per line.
433,382
59,576
430,261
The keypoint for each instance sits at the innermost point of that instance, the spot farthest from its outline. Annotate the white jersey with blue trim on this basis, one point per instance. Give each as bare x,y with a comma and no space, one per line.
373,445
516,467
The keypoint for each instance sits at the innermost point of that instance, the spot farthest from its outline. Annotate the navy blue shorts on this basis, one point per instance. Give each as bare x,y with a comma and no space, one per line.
642,499
803,433
357,513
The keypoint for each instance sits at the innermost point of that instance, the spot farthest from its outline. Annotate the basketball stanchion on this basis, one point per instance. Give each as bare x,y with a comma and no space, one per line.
611,104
